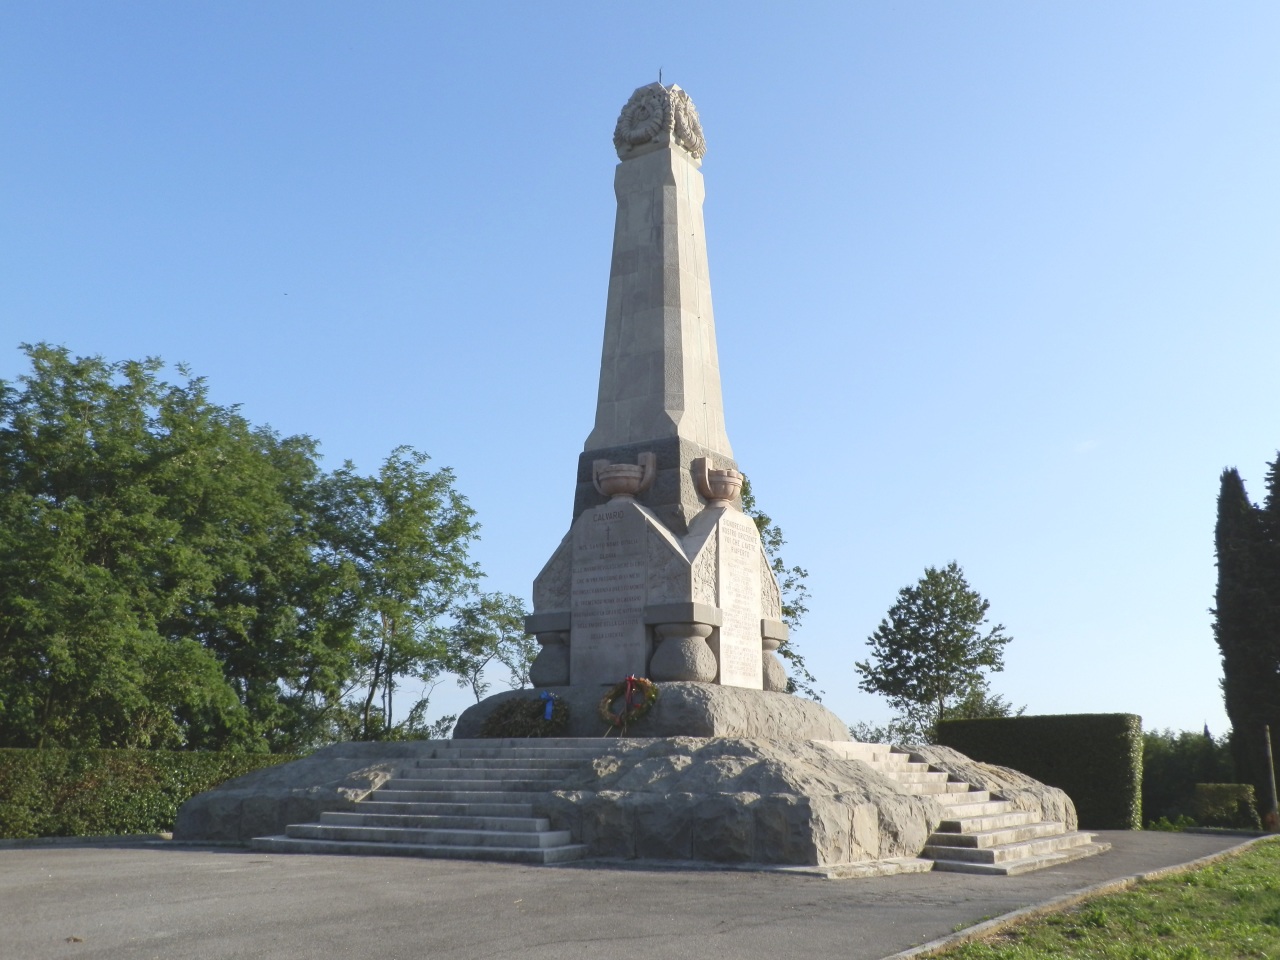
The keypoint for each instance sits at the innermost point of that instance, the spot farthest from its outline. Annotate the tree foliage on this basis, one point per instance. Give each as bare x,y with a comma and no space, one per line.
172,576
931,654
794,594
1247,621
489,629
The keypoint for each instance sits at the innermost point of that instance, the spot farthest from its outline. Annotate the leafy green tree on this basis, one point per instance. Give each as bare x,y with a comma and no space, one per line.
172,576
1247,621
400,538
930,655
794,592
127,505
490,629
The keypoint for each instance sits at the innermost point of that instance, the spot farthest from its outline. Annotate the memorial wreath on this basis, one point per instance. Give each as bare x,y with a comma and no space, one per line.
638,696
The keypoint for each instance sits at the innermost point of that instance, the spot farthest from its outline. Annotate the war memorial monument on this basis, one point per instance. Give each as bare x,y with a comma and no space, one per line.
661,576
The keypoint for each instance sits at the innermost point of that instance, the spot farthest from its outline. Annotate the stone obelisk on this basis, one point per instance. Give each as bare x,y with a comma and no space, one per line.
661,574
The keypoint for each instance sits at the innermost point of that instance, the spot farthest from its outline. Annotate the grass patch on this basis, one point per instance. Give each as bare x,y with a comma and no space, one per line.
1227,911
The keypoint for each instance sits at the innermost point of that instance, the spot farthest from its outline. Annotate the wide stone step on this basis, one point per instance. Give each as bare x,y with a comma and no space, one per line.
1007,851
999,837
1014,818
540,743
443,838
472,784
496,763
547,855
453,774
1009,868
448,809
356,818
534,753
452,796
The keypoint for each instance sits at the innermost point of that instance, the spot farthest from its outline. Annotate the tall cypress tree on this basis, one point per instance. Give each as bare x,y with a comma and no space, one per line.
1247,620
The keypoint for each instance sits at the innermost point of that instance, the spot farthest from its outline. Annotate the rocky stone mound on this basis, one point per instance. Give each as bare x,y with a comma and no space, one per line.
684,709
739,800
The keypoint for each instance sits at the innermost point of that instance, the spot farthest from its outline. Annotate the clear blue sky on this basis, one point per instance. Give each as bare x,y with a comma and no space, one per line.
994,282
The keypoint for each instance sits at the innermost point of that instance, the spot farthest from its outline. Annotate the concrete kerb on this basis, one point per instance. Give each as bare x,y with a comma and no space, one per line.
104,840
980,931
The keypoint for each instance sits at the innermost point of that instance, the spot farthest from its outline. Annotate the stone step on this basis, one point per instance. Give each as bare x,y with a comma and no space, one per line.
894,764
921,776
452,774
1009,868
431,838
470,784
448,809
357,818
1007,851
958,806
957,798
853,750
1014,818
932,787
998,837
383,795
497,763
284,844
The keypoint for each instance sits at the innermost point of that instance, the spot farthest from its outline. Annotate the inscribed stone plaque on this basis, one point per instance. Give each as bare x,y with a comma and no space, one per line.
608,641
739,586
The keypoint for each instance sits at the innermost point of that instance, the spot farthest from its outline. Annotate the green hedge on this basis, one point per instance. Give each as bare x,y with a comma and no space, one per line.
85,793
1095,757
1226,805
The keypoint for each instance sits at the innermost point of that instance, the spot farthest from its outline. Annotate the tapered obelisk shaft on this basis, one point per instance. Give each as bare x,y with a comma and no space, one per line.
659,373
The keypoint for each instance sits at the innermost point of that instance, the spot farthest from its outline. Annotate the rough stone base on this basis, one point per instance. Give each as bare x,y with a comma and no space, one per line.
684,709
731,800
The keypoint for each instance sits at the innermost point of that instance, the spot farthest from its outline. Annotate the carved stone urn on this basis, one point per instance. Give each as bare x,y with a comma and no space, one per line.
624,480
720,487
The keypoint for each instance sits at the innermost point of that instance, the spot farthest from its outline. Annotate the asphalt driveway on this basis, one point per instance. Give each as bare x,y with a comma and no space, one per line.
161,900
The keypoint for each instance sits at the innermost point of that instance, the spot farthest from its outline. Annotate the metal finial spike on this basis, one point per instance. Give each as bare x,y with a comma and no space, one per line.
659,75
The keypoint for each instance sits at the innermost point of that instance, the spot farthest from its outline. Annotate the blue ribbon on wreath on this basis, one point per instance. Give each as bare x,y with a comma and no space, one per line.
549,699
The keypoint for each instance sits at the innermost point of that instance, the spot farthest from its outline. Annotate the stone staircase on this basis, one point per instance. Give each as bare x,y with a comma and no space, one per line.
981,833
476,800
473,800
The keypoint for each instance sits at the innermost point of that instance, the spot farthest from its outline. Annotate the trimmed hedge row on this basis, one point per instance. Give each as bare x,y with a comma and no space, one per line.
84,793
1095,757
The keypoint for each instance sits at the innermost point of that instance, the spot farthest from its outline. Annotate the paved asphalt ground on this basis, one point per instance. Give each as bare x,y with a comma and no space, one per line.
158,900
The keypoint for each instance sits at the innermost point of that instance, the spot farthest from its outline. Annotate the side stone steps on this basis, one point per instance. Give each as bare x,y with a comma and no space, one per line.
1015,858
997,837
980,833
982,823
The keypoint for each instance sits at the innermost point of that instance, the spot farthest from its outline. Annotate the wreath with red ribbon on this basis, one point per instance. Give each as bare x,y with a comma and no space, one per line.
638,695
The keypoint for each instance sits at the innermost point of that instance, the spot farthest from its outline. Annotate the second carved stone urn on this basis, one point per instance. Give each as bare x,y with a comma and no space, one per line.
625,480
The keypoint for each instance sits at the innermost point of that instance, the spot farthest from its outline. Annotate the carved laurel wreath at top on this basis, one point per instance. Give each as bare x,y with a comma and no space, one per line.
687,126
652,110
642,119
